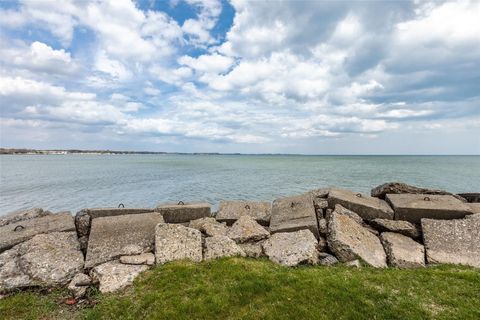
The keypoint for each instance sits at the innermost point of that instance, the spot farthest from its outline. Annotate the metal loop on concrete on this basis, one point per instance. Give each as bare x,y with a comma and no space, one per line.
180,203
359,195
292,205
19,227
426,198
121,205
247,207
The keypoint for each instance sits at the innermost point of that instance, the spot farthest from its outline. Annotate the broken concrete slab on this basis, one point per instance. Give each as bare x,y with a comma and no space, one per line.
402,251
366,207
209,226
294,213
246,229
46,260
113,275
111,212
22,215
221,246
292,248
231,211
252,249
452,241
17,232
177,242
147,258
475,207
183,212
399,226
327,259
349,240
414,207
114,236
79,284
398,188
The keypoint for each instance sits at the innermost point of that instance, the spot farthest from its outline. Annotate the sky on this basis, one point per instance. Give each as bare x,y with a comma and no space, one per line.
310,77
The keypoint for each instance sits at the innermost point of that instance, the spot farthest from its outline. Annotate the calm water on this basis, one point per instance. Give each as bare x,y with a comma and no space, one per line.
73,182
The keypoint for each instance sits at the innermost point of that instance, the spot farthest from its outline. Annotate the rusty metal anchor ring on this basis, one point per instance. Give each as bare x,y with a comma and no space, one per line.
426,199
359,195
121,205
247,207
19,226
292,205
180,203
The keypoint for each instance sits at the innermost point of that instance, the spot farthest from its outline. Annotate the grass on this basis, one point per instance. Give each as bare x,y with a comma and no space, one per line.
239,288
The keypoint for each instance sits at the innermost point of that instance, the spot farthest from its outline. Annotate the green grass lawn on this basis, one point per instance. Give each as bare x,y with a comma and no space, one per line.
239,288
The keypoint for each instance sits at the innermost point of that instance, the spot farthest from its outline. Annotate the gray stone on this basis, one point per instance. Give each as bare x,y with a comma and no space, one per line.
230,211
209,226
113,275
471,197
452,241
327,259
22,215
221,246
180,213
147,258
354,263
366,207
17,232
177,242
342,210
246,229
403,227
115,236
82,223
414,207
112,212
474,207
473,216
402,251
294,213
46,260
398,188
79,284
322,227
349,240
252,250
292,248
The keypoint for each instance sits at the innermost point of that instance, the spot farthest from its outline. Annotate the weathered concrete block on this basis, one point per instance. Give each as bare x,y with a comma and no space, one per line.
111,212
366,207
177,242
349,240
252,250
209,226
79,284
246,229
221,246
181,213
22,215
231,211
46,260
399,188
452,241
402,251
414,207
293,214
17,232
292,248
114,275
403,227
147,258
475,207
114,236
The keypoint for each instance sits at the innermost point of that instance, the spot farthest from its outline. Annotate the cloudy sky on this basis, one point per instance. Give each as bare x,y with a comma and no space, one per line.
315,77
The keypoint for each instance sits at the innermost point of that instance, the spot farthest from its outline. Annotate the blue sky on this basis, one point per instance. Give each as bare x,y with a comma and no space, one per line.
314,77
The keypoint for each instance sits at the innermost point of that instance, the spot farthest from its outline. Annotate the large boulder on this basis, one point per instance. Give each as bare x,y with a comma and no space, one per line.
349,240
366,207
246,229
115,236
403,227
209,226
113,275
177,242
452,241
230,211
293,214
46,260
17,232
292,248
22,215
402,251
221,246
414,207
398,188
183,212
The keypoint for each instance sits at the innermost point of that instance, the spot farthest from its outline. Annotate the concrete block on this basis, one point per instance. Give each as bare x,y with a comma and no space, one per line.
366,207
183,212
231,211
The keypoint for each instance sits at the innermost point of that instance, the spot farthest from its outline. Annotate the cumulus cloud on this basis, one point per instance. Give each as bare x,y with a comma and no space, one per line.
277,76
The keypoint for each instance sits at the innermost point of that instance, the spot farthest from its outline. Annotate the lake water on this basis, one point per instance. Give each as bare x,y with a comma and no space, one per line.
73,182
